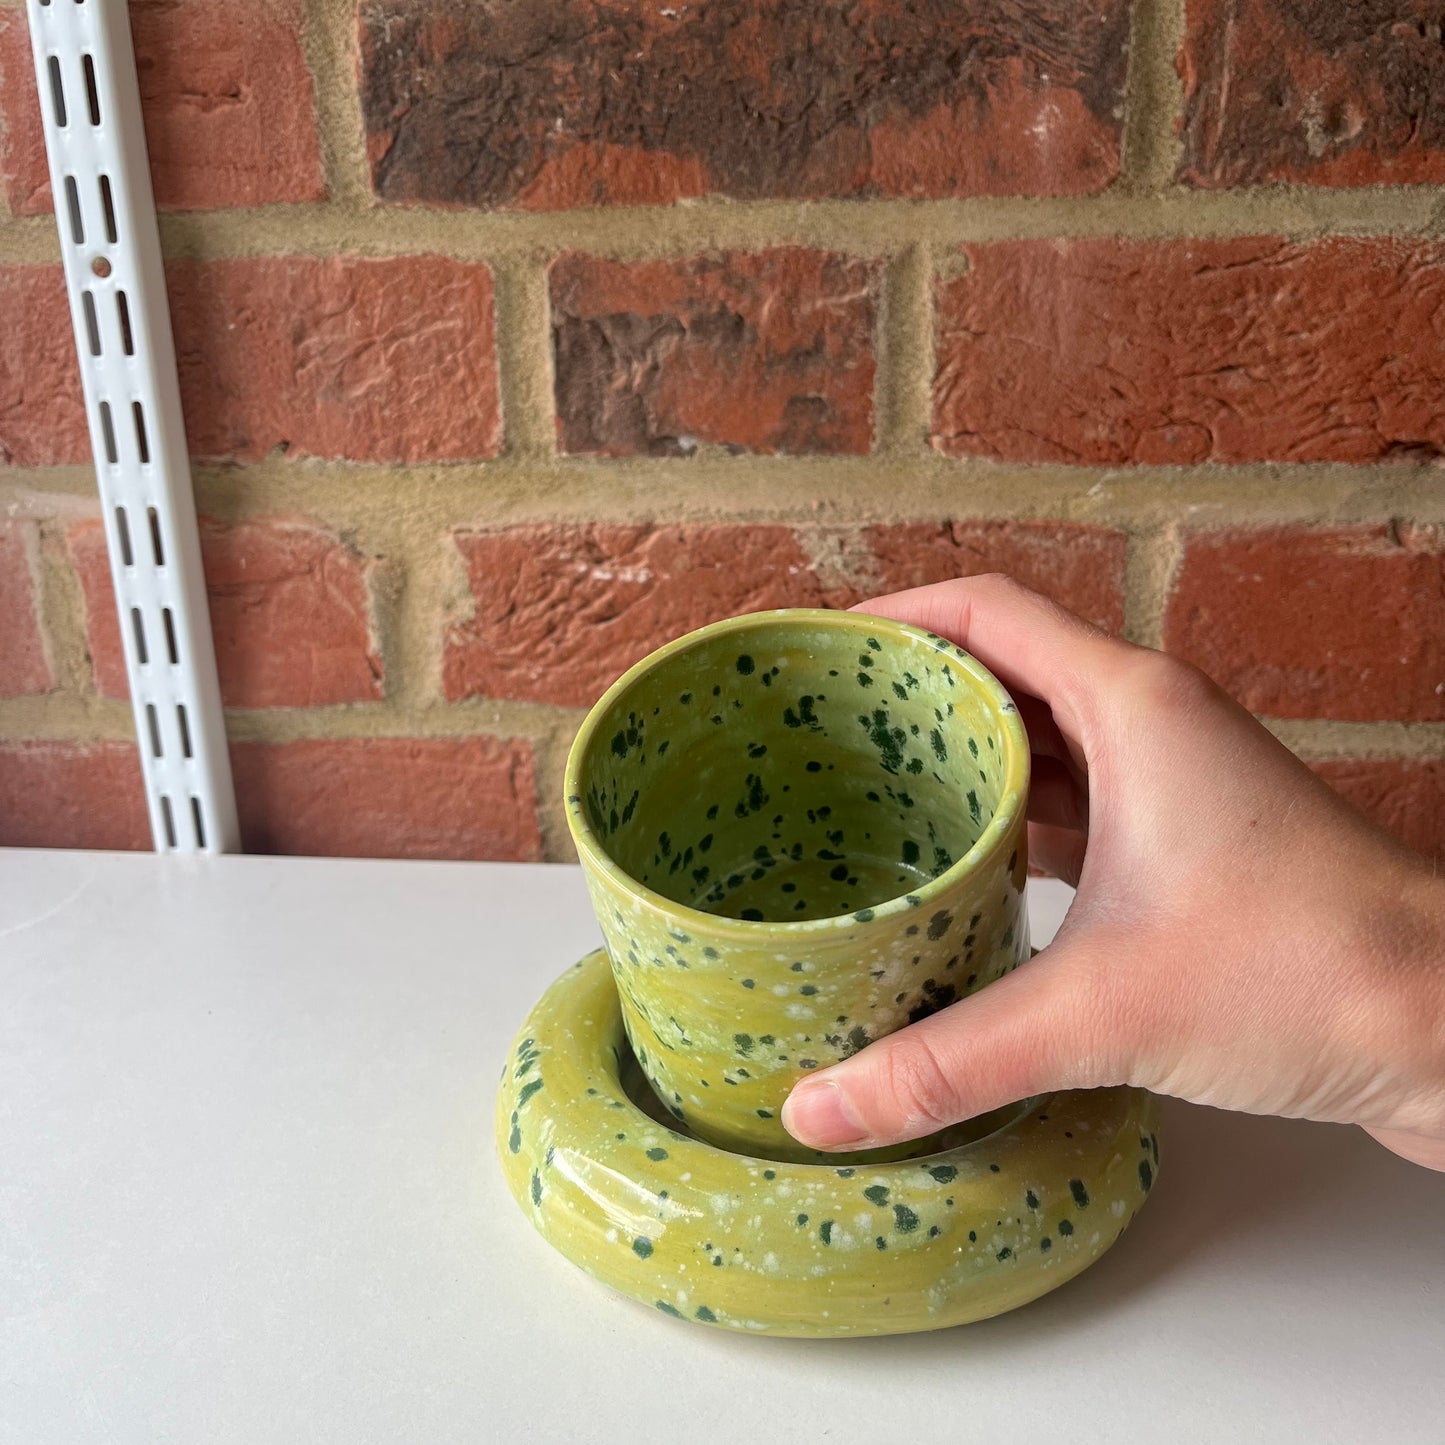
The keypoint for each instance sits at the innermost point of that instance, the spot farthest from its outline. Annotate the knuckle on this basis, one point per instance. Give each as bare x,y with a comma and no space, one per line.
916,1086
1163,681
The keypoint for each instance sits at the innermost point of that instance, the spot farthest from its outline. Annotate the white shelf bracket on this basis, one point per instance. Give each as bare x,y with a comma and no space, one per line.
105,213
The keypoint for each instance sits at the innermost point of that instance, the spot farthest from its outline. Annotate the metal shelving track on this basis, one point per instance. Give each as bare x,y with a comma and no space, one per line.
105,212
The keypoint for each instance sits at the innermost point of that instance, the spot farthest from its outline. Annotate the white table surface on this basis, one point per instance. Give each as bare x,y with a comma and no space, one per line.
247,1194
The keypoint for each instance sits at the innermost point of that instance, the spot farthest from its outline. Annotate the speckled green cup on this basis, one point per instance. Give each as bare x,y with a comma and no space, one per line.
800,830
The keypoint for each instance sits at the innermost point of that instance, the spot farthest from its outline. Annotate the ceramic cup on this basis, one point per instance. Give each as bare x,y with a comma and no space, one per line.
801,830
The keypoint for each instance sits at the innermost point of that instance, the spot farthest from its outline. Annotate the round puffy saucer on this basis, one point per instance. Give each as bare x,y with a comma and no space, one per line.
823,1249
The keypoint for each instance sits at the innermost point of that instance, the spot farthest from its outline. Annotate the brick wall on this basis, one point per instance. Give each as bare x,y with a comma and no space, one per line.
516,337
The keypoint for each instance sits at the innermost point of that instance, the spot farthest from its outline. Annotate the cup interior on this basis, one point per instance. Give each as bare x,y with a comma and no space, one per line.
793,766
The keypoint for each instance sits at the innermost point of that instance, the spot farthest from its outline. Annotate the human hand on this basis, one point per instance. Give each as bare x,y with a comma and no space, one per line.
1240,937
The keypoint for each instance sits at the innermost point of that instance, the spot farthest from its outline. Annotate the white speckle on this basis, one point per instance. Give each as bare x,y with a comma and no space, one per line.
1117,1209
770,1263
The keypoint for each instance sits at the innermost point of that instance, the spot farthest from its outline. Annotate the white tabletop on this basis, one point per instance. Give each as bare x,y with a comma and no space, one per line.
247,1194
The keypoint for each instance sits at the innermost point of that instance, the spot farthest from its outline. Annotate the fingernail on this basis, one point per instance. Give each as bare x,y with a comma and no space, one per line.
817,1112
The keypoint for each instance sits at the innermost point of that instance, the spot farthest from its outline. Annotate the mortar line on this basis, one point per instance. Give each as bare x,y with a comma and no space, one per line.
861,228
1150,562
62,612
328,40
830,491
1150,144
905,354
73,719
1325,739
524,358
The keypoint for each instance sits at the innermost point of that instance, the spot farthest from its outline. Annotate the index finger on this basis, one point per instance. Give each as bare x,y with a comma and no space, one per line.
1028,642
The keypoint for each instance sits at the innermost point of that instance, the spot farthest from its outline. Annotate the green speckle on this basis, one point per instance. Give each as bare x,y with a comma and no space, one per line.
752,915
874,643
745,664
657,1155
876,1194
514,1143
1031,1199
1146,1176
619,745
705,1315
1045,1244
900,692
939,924
1081,1195
642,1247
749,983
527,1090
825,1231
808,990
864,915
975,811
905,1221
765,1113
940,750
802,1220
668,1309
1066,1226
910,852
770,1173
845,1173
864,680
1005,1253
536,1187
944,1173
743,1043
880,1242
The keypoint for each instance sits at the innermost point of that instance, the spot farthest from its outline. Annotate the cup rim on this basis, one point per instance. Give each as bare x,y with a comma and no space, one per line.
1013,737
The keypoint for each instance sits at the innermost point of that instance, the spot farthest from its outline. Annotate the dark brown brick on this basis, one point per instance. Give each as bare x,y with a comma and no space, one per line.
1080,566
1115,351
1330,94
767,351
559,103
1327,622
1405,796
560,611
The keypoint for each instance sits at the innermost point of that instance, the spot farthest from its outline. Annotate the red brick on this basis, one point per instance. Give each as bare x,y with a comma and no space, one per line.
72,795
230,117
1325,94
561,611
1404,795
1078,565
1328,622
290,613
470,797
761,352
372,360
563,103
1109,351
42,416
24,668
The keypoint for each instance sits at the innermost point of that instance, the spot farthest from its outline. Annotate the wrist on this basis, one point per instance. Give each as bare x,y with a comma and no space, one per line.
1403,939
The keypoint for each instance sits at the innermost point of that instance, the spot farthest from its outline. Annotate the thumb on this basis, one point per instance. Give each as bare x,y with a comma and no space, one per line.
1031,1032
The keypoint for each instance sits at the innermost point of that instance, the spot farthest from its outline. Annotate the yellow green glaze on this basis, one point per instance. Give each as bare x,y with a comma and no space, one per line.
801,830
777,1248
